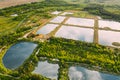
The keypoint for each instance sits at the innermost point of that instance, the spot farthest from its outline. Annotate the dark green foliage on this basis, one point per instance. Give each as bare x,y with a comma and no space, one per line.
63,71
33,77
8,39
19,17
99,10
22,29
76,51
31,8
3,77
11,38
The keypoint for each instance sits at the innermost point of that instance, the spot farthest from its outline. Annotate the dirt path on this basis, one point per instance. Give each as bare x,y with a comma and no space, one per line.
42,25
57,28
25,36
2,48
74,25
96,26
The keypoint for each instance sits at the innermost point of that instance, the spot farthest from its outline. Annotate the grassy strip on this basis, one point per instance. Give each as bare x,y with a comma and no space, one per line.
2,68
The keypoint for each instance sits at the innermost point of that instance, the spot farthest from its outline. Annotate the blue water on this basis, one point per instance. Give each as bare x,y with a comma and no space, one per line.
80,73
17,54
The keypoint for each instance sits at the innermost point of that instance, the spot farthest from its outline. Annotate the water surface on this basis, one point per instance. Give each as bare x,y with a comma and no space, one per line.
47,28
47,69
80,22
76,33
17,54
109,24
108,37
80,73
58,19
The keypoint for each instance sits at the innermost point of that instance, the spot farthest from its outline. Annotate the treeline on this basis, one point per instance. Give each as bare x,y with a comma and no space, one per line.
10,38
43,9
100,11
33,7
3,77
81,52
25,77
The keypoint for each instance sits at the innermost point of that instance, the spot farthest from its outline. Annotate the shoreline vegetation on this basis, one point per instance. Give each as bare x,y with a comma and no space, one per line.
100,11
89,55
82,52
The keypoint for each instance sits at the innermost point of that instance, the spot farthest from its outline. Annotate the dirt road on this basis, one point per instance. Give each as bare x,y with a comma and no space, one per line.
8,3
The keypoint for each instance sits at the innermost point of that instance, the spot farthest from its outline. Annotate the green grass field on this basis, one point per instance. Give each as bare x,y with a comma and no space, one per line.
113,10
7,24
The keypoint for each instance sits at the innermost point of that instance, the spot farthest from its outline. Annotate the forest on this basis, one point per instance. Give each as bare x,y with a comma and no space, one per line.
99,10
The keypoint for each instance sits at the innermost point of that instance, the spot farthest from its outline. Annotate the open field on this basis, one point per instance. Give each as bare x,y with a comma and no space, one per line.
7,24
8,3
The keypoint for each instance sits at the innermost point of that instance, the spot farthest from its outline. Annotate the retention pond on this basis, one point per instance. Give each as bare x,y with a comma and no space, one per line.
17,54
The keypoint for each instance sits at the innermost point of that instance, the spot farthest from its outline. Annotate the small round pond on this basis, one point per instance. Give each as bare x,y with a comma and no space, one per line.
17,54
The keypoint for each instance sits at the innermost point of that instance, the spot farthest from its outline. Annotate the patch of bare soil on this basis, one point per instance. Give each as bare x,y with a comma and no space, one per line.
8,3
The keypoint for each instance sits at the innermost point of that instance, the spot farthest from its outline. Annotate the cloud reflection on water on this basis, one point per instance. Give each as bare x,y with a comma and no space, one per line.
80,22
108,37
75,33
46,69
47,29
80,73
110,24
